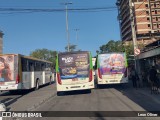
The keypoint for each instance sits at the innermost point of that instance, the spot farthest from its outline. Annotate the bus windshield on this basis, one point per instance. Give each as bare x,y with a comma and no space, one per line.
75,65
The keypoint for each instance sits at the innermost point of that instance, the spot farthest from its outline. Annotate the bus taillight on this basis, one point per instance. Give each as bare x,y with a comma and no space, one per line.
59,78
17,79
90,75
99,73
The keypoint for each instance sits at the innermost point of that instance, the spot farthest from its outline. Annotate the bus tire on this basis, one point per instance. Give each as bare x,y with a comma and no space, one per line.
96,86
88,91
37,85
50,82
13,91
59,93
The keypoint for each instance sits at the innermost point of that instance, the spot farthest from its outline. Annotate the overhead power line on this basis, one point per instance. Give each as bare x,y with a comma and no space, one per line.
28,10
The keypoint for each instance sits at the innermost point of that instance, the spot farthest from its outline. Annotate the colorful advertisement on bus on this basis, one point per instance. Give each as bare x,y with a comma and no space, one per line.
111,64
7,69
74,66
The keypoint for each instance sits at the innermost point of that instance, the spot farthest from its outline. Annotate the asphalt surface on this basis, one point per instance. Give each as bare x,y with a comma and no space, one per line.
83,103
7,98
108,98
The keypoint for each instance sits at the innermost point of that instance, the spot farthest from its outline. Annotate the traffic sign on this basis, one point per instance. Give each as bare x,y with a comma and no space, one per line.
137,51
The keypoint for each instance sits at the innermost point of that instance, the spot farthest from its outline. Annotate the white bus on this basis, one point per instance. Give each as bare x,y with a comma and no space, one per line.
74,71
18,72
111,68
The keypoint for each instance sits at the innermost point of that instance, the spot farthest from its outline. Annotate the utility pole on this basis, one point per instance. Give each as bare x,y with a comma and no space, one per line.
1,42
66,4
76,35
119,18
133,30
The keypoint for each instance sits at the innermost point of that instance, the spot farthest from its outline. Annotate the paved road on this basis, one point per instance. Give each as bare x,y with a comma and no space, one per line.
110,98
26,99
7,98
107,98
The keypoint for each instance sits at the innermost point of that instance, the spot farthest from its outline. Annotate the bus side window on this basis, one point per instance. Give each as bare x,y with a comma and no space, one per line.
31,66
24,65
37,66
43,67
48,67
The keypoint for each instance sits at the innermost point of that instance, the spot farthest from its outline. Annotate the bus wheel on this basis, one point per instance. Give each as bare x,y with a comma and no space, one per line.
59,93
37,85
13,91
96,86
50,80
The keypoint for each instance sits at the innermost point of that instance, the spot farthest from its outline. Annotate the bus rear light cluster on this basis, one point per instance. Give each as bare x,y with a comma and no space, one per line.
99,73
90,75
59,79
17,79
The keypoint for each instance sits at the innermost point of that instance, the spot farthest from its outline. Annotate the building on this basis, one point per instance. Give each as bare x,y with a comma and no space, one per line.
1,42
145,15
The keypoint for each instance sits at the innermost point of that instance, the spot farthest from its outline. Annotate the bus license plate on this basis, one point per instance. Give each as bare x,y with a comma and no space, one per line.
113,81
75,79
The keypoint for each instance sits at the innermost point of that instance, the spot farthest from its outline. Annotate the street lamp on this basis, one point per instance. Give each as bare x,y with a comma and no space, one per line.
66,4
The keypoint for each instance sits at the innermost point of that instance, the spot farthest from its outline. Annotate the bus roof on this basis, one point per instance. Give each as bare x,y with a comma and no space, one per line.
28,57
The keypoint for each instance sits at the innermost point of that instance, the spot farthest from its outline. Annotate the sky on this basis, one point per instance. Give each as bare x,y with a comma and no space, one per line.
26,32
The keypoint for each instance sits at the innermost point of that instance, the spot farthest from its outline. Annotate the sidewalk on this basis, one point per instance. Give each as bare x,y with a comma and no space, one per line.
33,99
143,97
147,92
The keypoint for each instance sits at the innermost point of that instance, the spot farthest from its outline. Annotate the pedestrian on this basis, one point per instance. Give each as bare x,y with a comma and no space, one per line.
153,79
143,78
133,77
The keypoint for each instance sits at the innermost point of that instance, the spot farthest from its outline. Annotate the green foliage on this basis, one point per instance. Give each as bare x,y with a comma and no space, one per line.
112,46
129,50
71,47
117,46
44,54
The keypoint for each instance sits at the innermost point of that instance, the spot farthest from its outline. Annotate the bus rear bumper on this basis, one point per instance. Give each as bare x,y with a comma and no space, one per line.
75,87
103,82
9,87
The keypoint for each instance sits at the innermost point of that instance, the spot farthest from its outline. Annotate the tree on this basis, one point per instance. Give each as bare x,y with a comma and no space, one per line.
112,46
117,46
129,49
71,48
44,54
